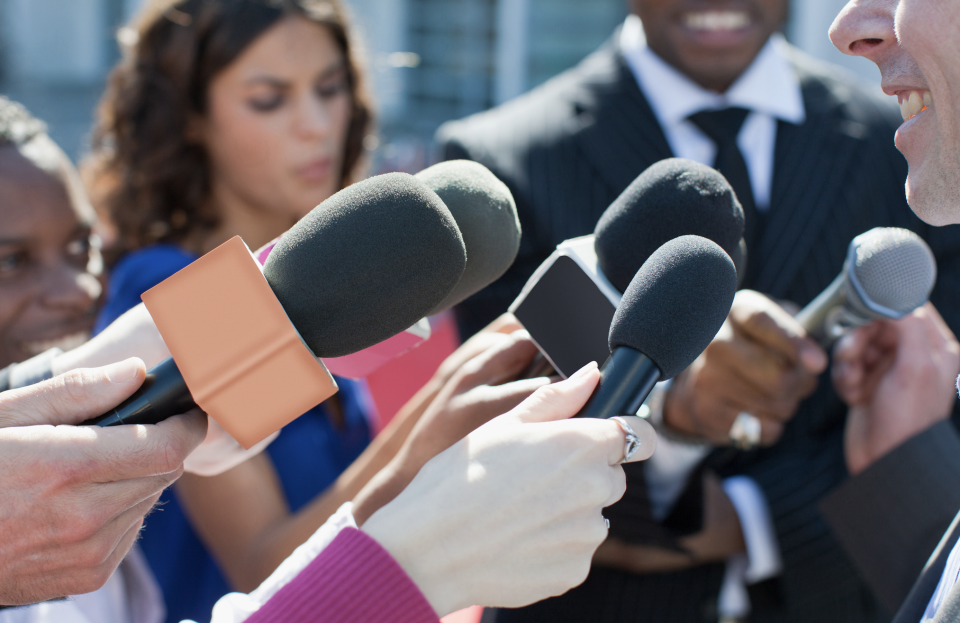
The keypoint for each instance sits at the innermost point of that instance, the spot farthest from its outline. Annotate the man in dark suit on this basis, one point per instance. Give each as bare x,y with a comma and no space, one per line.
894,374
810,155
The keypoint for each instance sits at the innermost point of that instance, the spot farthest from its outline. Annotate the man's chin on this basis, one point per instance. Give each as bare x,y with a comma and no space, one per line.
932,198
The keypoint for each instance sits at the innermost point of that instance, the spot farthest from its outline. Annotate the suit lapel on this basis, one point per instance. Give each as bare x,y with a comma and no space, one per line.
822,149
619,135
917,600
615,126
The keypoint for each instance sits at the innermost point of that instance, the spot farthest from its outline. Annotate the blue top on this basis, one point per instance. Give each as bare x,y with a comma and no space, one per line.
308,455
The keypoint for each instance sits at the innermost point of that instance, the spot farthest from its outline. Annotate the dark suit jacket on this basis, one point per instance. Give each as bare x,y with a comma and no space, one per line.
567,150
893,510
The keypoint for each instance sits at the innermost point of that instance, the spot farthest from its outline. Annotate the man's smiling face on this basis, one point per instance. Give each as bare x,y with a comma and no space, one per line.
712,42
916,45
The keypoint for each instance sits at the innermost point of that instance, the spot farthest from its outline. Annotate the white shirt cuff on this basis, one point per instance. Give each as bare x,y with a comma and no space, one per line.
236,607
762,560
667,471
756,522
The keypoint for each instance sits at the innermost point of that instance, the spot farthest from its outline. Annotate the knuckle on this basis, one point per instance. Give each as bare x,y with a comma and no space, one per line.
78,530
90,580
619,482
76,384
169,457
92,556
789,383
770,433
548,395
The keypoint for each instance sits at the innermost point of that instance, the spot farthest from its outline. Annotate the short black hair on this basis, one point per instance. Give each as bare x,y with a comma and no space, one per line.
17,125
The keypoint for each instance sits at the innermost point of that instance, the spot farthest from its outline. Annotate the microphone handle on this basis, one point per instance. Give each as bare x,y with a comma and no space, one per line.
163,394
626,379
819,316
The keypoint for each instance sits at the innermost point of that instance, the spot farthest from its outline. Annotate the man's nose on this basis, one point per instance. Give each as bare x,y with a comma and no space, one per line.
865,28
70,288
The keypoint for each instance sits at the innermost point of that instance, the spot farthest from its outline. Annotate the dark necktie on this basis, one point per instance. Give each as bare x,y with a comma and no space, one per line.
722,127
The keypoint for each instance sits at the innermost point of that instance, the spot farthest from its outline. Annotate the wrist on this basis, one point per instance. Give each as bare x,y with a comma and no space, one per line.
409,539
662,414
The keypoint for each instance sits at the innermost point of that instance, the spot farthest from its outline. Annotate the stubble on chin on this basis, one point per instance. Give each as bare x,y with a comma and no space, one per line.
934,198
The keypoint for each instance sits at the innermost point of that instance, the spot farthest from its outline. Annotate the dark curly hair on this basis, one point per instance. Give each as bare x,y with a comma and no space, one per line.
17,125
143,173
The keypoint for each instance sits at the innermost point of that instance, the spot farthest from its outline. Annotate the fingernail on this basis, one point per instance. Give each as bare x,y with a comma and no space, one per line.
585,370
122,371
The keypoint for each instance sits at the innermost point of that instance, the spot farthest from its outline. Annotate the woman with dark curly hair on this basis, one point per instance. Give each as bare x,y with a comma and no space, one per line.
227,117
231,117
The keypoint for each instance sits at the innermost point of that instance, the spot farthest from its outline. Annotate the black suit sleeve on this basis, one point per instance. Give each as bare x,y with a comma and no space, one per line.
890,517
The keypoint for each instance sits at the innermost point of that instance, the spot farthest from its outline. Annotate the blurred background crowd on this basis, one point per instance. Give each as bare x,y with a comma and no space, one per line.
431,60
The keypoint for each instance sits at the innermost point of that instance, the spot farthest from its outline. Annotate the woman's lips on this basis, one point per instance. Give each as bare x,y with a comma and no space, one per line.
316,170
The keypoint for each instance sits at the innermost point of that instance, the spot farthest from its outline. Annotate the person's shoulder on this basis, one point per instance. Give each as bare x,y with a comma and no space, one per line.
832,89
540,116
151,264
135,273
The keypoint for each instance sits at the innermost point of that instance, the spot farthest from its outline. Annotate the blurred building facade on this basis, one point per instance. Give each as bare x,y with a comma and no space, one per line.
431,60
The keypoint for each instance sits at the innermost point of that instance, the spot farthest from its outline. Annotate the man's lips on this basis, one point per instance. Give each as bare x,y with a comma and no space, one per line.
716,21
913,102
719,29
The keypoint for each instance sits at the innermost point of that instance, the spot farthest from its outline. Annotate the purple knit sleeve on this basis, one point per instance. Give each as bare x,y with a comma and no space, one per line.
353,580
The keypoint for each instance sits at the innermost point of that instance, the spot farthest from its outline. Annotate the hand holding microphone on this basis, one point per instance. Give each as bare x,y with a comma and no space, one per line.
761,363
73,498
361,267
899,378
486,216
511,514
569,302
479,390
888,273
670,312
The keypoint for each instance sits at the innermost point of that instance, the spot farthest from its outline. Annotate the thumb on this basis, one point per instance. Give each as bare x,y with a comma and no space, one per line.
812,357
73,397
558,401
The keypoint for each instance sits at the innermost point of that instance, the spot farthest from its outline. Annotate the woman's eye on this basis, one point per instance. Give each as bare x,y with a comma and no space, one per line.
267,103
332,88
10,263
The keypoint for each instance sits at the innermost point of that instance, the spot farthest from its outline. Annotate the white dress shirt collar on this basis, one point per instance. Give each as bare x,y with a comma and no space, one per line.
768,86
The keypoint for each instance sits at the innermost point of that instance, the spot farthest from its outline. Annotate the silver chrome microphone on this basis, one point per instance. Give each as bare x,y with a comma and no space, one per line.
889,272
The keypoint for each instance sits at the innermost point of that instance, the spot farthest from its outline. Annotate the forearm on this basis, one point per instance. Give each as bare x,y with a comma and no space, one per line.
249,553
338,574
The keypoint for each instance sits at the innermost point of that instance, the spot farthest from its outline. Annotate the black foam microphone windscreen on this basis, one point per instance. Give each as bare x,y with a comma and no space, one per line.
672,198
367,263
676,303
362,266
486,215
670,311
